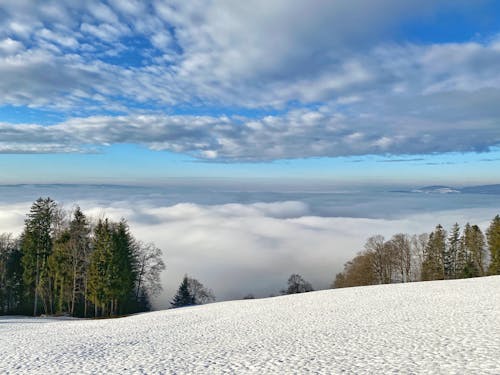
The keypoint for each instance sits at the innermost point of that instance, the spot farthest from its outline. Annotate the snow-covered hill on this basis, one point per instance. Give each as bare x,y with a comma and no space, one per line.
449,327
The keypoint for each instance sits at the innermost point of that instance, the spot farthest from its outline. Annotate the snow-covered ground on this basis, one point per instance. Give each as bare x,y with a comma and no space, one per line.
448,327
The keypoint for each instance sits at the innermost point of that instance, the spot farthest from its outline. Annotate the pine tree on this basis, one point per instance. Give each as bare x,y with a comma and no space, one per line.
493,236
183,297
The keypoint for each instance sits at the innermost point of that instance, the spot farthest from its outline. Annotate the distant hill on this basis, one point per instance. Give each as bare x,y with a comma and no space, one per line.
482,189
441,189
436,189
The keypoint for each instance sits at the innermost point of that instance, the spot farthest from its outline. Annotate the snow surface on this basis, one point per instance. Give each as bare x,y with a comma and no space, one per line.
448,327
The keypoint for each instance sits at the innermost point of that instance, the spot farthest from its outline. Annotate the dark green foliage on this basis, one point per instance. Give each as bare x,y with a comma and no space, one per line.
183,297
493,235
124,270
114,271
474,244
58,267
80,250
36,246
433,266
11,276
100,266
192,292
451,266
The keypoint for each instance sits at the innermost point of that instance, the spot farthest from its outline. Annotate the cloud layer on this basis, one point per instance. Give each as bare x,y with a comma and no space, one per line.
332,79
237,249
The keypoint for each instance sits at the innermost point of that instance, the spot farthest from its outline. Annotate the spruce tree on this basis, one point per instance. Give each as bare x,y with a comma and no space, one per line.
11,272
124,270
36,245
99,283
433,265
80,250
476,247
60,269
493,236
183,297
463,258
452,253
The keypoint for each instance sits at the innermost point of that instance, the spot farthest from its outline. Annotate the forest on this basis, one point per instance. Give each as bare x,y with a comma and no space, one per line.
440,255
64,263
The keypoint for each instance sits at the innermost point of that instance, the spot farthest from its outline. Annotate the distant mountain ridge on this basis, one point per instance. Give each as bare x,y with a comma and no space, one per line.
442,189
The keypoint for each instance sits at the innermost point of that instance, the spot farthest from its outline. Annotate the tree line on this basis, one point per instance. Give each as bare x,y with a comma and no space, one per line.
440,255
65,263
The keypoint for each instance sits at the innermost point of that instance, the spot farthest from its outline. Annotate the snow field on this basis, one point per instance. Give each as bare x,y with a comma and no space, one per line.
438,327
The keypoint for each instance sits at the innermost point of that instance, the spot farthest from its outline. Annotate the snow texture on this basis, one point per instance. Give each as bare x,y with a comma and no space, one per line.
440,327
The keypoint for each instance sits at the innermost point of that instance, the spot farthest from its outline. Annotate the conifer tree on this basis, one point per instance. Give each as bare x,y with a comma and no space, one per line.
183,297
60,269
474,244
493,235
462,264
11,282
80,249
99,269
123,274
433,265
36,245
58,265
452,252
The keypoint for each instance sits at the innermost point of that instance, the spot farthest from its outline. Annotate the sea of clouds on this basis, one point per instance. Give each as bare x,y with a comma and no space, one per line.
239,248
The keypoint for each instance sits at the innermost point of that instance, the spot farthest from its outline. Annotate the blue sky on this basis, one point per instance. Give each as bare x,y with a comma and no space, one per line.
350,92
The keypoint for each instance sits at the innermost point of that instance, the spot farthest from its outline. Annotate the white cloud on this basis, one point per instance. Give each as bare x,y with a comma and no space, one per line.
10,46
255,54
238,249
294,134
374,94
